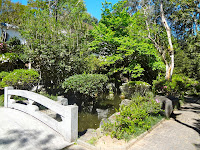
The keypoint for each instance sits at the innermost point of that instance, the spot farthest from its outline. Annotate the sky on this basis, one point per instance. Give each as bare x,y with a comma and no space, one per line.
93,6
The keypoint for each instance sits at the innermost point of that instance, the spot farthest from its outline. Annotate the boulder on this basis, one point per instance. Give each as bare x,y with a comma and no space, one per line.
166,104
125,102
62,100
102,113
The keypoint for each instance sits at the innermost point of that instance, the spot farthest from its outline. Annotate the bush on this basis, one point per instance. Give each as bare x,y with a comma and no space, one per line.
133,87
20,79
1,100
178,86
3,74
87,84
134,119
3,48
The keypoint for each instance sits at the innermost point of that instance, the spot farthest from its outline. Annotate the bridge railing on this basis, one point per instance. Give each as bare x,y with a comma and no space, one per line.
68,127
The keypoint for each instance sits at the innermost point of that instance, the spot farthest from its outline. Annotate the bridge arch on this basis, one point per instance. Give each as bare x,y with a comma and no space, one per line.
68,127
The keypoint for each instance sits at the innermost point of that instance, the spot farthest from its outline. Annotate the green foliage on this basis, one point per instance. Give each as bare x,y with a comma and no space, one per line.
3,74
20,79
1,100
11,12
180,85
87,84
187,59
56,40
93,140
134,119
120,44
53,97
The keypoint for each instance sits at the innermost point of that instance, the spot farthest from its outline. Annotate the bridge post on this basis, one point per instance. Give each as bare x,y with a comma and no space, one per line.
70,124
6,96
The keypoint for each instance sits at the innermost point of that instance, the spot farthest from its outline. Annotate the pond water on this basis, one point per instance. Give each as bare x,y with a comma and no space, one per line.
91,116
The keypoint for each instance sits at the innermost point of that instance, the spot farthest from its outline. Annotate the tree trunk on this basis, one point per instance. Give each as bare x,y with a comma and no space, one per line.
170,66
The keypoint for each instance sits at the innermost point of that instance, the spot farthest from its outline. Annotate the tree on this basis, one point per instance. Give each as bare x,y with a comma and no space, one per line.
56,46
119,41
155,15
11,12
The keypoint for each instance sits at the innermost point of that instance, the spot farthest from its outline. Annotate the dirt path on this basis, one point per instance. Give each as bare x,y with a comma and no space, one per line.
182,132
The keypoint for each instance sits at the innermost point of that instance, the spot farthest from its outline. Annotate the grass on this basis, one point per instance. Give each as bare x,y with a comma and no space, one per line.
153,121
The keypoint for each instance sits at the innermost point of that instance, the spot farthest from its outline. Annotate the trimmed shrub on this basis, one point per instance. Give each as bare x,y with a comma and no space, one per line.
3,74
180,85
20,79
87,84
131,88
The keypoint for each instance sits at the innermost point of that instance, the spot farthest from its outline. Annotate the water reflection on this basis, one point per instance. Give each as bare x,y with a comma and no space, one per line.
91,114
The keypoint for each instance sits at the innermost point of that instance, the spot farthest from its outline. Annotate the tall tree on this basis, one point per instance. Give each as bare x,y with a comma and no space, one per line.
119,40
11,12
154,13
56,46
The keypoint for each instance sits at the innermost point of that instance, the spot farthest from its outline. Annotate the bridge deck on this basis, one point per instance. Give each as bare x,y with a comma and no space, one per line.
20,131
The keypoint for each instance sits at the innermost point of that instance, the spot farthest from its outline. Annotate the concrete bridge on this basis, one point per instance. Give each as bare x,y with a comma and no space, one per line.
25,127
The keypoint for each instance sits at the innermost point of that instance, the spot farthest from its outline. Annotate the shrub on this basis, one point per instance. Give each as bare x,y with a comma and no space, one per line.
1,100
3,74
3,48
20,79
133,87
178,86
134,119
87,84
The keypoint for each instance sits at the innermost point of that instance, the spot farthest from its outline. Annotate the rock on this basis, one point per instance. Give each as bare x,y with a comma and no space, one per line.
166,104
102,113
104,120
37,88
125,102
112,118
175,102
90,133
99,132
62,100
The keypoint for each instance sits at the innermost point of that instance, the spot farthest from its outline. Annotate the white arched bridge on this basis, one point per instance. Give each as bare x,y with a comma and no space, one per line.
25,127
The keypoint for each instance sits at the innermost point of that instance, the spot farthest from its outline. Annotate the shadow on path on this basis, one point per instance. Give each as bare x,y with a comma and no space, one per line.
193,105
25,138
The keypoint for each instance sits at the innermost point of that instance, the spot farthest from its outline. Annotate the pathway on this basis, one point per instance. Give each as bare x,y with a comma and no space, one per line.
20,131
182,132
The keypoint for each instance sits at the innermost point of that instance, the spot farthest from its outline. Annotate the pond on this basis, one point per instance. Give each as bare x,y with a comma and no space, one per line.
90,116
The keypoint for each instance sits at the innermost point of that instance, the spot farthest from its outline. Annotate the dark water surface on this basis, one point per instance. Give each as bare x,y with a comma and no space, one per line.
91,116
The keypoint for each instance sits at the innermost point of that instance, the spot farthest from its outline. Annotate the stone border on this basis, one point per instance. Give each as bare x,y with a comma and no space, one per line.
124,147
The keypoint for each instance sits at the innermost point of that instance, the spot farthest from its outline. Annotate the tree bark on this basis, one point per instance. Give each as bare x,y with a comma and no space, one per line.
170,66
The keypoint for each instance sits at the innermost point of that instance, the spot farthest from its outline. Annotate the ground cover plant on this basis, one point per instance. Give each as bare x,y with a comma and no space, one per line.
134,119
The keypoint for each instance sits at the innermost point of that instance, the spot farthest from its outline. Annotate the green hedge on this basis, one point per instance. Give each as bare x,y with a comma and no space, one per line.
87,84
20,79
